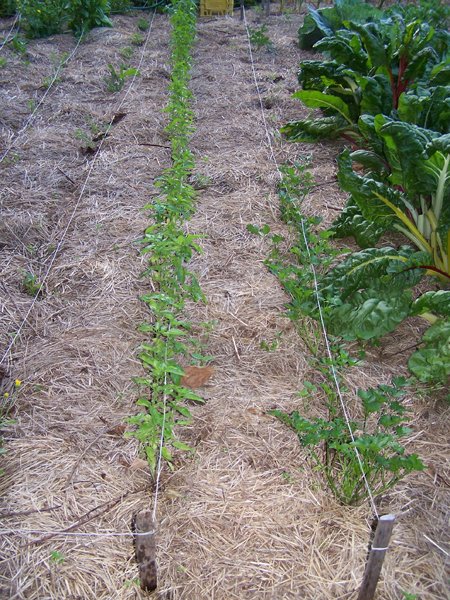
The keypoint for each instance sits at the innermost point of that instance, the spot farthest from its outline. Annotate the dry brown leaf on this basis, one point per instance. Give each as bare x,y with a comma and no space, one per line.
117,429
195,377
138,464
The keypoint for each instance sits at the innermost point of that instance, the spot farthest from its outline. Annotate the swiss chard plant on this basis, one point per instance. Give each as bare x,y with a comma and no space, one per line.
369,68
405,186
372,291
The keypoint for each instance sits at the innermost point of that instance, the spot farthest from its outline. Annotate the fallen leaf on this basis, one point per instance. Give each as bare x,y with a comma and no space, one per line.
195,377
139,464
117,429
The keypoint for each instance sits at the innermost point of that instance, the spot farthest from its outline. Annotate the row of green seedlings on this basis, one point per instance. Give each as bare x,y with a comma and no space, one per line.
382,418
169,250
383,87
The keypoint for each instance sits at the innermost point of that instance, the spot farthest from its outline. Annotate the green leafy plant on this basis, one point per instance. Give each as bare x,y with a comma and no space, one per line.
117,77
259,38
168,249
326,21
143,24
31,284
84,15
7,8
372,65
41,19
406,187
376,437
3,62
18,44
57,557
126,52
137,39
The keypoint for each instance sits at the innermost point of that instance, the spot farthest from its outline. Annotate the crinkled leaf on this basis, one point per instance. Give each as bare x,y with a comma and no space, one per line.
431,363
313,130
437,303
326,102
351,223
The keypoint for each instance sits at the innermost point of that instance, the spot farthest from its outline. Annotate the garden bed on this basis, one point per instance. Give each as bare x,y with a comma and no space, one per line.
246,516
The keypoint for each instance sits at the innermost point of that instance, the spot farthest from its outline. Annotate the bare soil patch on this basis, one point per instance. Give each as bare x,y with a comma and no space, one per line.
246,517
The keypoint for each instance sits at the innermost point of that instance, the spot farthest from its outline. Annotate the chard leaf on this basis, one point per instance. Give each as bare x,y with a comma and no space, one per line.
432,362
369,293
370,315
327,102
376,96
366,193
351,223
341,51
313,130
434,302
429,108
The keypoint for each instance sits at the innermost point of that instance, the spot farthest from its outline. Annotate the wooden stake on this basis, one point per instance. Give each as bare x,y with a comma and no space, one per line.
376,557
145,548
242,9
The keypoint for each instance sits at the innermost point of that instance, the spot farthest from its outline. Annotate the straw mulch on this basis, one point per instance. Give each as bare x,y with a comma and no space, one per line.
246,516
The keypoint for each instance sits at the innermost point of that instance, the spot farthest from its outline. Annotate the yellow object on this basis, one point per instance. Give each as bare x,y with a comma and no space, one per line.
209,8
18,383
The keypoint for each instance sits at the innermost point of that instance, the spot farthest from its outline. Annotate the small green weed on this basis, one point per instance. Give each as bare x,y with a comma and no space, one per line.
259,39
57,557
30,284
126,52
18,44
3,62
137,39
116,78
143,24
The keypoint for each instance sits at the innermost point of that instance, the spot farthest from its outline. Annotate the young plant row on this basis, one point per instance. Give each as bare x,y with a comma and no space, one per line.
168,250
384,88
332,442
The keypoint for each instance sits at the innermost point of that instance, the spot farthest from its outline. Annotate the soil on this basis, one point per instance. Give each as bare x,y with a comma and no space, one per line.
246,516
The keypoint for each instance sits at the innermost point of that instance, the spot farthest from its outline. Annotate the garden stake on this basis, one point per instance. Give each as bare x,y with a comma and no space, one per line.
376,557
145,548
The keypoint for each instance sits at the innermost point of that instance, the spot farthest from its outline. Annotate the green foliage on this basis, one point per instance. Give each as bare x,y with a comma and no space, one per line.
84,15
325,21
259,38
168,249
7,8
47,17
143,24
18,44
376,438
369,68
406,187
41,19
117,77
30,284
120,6
126,52
137,39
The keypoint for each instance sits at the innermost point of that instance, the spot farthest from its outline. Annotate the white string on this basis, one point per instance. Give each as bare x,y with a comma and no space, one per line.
77,533
316,287
47,91
62,533
72,215
7,38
